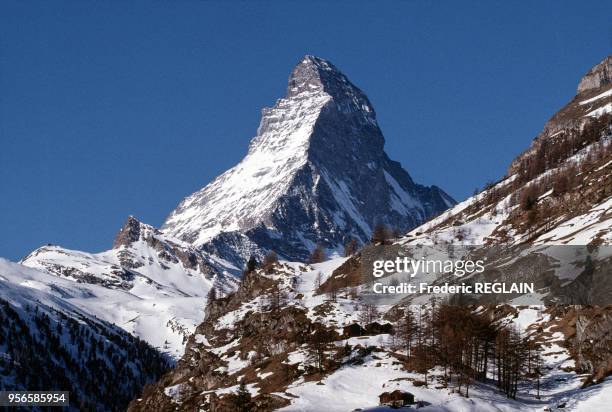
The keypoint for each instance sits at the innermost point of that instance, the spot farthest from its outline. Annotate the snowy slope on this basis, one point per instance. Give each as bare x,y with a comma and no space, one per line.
575,147
280,374
143,261
151,285
315,173
43,329
164,322
250,336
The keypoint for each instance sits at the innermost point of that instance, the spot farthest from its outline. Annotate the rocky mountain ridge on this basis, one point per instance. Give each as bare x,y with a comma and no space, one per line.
299,337
141,254
599,76
316,173
151,284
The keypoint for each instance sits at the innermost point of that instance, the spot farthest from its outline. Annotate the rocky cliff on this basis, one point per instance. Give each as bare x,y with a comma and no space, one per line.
316,173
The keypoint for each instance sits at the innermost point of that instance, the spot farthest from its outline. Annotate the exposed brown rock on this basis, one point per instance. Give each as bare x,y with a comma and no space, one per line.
129,233
600,75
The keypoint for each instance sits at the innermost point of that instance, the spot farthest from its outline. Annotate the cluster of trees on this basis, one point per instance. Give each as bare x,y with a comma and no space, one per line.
241,399
318,255
469,346
550,154
383,234
563,181
351,247
318,341
368,314
48,350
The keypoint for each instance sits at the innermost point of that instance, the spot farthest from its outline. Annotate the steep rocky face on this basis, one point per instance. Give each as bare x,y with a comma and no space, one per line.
558,191
128,234
599,76
592,101
316,173
588,330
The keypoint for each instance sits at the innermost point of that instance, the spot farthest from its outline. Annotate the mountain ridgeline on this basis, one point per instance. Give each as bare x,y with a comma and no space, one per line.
316,173
300,337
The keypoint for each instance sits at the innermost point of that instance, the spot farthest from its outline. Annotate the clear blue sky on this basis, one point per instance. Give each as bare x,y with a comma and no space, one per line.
111,108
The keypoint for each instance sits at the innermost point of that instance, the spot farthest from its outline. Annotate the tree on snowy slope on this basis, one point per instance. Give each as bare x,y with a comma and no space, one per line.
317,255
317,345
407,331
242,398
381,235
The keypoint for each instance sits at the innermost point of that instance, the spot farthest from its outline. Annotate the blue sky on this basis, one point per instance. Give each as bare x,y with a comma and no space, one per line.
115,108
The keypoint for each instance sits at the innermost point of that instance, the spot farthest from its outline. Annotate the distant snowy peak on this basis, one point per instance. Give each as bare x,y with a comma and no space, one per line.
143,261
316,173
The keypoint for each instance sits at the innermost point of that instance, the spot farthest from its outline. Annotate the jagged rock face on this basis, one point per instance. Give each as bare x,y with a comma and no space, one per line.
598,76
129,233
315,173
566,170
592,341
143,260
259,338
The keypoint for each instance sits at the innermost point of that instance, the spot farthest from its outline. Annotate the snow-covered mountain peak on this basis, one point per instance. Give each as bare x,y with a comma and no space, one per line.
315,173
316,74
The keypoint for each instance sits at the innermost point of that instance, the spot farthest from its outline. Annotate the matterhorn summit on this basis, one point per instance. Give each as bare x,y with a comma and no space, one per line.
315,173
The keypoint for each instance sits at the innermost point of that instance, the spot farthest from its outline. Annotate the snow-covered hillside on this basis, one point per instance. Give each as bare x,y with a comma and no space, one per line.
151,285
49,342
298,349
300,337
559,191
143,261
315,173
